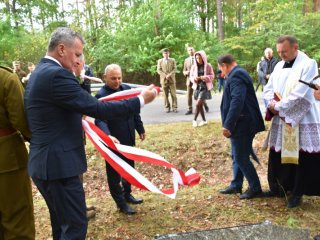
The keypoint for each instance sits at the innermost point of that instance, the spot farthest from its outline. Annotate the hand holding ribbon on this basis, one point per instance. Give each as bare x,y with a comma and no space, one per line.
113,152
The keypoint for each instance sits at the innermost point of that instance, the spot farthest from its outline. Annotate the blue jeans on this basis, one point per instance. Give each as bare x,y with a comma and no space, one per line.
242,166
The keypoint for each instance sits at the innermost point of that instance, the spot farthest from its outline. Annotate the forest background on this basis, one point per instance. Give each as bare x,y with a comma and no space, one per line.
133,32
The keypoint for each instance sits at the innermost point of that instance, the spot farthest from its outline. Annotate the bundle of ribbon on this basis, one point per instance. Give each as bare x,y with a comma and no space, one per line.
112,153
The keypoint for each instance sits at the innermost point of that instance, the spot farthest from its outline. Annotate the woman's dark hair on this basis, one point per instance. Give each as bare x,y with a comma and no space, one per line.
227,58
200,57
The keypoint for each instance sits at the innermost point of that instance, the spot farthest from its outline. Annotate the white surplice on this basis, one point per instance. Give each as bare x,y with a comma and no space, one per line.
298,107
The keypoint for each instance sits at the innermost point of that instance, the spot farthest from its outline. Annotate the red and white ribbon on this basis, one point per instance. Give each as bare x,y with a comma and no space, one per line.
108,150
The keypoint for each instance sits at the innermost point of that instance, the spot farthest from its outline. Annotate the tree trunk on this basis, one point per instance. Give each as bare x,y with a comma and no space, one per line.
78,13
306,7
157,16
239,15
203,15
29,9
315,6
220,22
14,14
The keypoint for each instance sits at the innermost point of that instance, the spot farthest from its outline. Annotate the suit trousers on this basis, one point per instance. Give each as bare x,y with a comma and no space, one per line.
170,87
241,148
119,187
66,202
16,207
189,95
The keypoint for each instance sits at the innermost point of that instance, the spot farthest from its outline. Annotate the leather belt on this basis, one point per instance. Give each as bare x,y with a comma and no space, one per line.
6,131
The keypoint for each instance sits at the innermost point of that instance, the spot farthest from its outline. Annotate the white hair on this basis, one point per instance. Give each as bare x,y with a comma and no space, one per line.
268,50
112,67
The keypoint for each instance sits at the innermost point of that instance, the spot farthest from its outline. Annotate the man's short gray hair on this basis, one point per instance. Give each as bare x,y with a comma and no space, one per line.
63,35
111,67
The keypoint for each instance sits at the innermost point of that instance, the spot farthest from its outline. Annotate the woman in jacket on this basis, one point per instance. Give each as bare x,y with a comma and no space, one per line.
201,75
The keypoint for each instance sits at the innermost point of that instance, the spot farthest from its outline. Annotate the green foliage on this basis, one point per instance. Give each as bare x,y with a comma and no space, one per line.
132,33
270,19
8,41
20,45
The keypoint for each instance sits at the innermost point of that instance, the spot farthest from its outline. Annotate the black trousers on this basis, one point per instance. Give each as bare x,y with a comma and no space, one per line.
66,202
119,187
301,179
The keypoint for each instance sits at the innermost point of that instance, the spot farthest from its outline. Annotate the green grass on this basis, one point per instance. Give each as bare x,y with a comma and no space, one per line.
195,208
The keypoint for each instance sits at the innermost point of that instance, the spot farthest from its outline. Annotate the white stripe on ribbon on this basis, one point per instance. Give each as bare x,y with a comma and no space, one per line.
108,148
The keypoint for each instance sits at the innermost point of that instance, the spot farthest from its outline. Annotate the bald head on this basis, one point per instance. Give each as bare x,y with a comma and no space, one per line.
113,76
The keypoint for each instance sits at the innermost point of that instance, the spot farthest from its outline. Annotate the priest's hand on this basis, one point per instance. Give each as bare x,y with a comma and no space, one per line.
271,108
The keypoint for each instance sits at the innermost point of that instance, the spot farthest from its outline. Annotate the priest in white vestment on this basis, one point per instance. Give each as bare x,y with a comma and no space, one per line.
294,139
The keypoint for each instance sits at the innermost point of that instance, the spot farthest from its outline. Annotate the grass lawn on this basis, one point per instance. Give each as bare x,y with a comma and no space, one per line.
196,208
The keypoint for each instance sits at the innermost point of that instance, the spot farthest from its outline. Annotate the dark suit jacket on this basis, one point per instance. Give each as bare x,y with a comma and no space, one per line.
55,103
123,129
240,111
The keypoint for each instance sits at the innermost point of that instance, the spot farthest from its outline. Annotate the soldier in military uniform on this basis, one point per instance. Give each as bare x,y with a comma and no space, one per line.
16,207
17,69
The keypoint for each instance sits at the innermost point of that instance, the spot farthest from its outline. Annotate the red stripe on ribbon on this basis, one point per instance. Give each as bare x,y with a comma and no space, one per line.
108,149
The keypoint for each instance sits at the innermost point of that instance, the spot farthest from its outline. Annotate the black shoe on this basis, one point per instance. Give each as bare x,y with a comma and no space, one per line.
274,194
133,200
230,190
294,201
126,209
317,237
168,110
248,194
189,112
206,108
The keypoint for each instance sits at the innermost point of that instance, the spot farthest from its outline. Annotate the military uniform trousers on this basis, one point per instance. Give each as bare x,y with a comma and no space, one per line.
170,88
17,220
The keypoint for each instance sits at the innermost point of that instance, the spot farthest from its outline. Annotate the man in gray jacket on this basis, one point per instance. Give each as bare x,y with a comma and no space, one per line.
266,67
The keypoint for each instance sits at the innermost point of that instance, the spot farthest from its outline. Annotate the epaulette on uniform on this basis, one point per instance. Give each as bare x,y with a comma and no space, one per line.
7,68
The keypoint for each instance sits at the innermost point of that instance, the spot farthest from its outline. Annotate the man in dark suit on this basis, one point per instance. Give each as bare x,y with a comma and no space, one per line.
241,120
55,103
124,130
